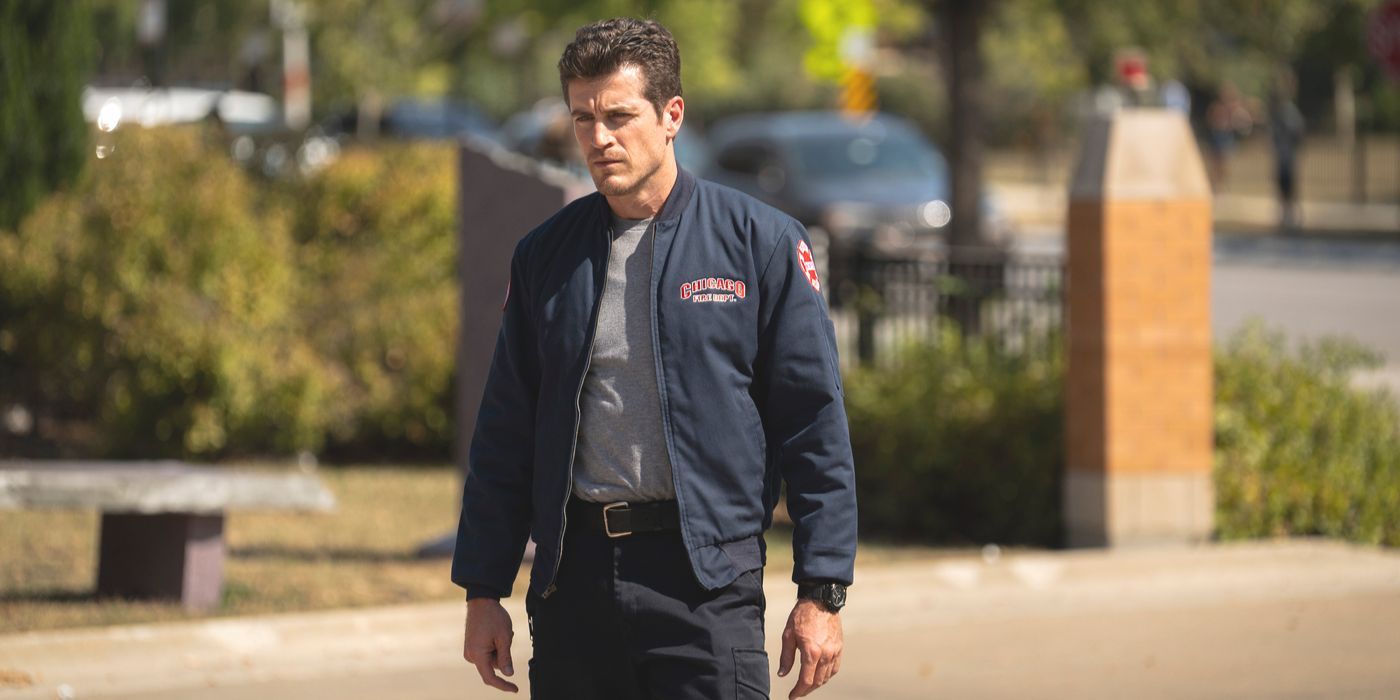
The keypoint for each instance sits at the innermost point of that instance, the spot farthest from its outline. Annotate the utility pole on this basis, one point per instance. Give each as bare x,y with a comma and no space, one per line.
289,16
150,34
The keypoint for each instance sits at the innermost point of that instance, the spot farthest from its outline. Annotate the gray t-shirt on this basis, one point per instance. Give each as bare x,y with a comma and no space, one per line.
621,447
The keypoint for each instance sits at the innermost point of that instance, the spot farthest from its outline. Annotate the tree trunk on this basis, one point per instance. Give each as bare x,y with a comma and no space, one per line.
973,262
962,29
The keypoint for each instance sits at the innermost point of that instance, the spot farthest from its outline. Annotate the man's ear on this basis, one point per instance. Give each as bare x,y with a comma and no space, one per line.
673,115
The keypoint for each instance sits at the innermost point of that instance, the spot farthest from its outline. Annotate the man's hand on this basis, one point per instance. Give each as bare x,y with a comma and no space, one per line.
487,643
816,632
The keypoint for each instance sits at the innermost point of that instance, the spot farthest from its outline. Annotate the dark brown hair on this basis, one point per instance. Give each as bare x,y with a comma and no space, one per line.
603,47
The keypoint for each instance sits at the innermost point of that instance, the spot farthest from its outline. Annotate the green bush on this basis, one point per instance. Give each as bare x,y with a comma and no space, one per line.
1299,451
376,254
148,312
960,441
172,306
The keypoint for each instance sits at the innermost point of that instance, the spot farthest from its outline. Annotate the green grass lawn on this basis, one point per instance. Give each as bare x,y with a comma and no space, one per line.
359,555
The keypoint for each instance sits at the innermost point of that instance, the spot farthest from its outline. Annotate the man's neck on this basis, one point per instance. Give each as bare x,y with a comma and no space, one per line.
646,201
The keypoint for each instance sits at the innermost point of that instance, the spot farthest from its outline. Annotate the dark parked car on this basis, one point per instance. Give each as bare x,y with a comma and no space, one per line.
418,118
873,180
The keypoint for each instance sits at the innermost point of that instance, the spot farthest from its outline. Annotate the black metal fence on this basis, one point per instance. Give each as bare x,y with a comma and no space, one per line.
879,304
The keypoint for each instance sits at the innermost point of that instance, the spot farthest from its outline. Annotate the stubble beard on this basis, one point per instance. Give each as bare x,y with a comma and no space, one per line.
608,189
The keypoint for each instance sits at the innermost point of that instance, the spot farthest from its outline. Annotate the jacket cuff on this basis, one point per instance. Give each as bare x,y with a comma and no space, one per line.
830,565
476,590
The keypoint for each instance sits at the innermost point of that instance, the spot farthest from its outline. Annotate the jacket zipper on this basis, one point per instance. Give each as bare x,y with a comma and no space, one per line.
578,417
661,388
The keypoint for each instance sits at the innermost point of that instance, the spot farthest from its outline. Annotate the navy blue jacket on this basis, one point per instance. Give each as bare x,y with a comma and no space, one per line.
747,373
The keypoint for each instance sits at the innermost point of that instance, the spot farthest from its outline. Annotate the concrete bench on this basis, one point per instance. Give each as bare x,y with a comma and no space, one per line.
162,533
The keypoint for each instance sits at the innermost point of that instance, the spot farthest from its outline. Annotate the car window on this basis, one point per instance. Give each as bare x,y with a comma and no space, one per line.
745,158
847,156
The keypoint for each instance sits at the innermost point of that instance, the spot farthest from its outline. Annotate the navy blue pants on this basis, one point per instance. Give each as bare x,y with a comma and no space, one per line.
629,621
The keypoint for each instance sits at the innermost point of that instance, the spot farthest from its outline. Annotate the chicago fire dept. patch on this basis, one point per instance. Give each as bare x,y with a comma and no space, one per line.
809,266
713,289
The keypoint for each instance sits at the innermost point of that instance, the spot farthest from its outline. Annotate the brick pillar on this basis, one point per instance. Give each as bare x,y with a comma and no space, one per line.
1139,389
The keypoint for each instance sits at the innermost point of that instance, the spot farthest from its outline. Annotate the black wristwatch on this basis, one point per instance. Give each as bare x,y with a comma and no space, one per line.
831,595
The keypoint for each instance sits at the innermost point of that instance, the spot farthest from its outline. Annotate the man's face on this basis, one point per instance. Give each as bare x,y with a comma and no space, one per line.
620,136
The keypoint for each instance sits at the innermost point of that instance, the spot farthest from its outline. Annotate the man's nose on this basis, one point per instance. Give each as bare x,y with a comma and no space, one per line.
601,135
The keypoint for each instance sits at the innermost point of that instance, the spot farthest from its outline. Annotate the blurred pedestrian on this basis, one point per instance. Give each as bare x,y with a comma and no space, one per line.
1286,128
1176,97
1227,119
665,364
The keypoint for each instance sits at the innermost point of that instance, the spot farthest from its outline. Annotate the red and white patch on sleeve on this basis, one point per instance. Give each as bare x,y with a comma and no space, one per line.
809,266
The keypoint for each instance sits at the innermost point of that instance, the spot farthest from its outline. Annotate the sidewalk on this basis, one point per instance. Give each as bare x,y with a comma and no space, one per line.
1041,209
1300,618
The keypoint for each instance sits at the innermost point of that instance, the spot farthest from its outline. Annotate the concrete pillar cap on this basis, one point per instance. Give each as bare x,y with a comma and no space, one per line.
1139,154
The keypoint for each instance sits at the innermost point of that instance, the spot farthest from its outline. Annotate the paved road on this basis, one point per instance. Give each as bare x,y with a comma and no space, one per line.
1313,288
1295,619
1309,287
1295,649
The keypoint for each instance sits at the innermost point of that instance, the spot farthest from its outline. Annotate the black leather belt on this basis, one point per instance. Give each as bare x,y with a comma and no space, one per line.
622,518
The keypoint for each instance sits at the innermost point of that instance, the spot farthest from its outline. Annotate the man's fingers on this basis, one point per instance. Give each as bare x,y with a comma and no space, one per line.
489,677
487,644
824,671
830,666
503,656
786,658
819,665
807,676
799,690
811,658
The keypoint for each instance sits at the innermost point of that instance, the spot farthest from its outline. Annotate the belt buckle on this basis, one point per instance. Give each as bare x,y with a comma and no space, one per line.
607,528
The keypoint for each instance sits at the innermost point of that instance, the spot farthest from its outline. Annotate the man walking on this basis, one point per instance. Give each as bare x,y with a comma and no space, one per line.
665,364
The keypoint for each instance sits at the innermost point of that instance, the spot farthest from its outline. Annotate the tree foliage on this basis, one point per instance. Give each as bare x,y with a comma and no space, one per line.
376,250
377,50
205,42
46,54
767,54
151,311
1041,52
831,25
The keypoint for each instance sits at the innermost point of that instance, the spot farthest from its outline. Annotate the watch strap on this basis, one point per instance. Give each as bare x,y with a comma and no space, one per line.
831,594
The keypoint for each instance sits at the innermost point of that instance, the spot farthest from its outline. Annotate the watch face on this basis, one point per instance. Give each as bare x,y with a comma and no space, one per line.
830,595
836,596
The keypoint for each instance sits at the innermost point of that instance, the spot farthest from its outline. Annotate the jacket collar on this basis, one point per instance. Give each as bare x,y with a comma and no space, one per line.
679,197
676,201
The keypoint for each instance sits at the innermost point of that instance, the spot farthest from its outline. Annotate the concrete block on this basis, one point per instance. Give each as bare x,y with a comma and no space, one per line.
1106,509
170,556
